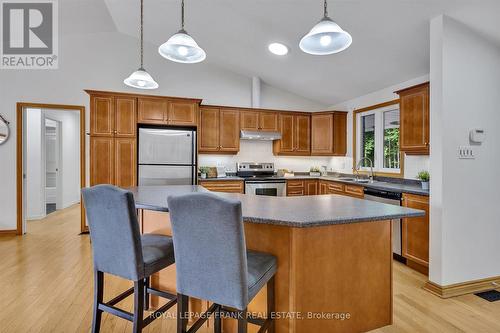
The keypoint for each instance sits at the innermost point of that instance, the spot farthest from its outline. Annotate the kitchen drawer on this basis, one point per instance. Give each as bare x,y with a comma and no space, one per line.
223,186
295,183
355,191
295,188
295,192
335,188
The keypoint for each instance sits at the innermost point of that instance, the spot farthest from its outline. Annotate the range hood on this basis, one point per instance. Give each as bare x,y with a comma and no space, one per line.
260,135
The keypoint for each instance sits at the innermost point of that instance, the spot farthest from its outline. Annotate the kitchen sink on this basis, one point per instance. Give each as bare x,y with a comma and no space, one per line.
360,180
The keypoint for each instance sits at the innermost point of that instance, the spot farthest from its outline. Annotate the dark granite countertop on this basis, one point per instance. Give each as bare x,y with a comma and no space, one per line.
379,185
299,212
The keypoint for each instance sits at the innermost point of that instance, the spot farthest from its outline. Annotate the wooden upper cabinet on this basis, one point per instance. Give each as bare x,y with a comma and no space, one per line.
268,121
329,133
303,134
295,135
322,134
414,119
339,133
125,163
164,111
125,117
415,230
102,160
219,130
182,113
102,119
229,133
208,131
249,120
254,120
287,127
152,110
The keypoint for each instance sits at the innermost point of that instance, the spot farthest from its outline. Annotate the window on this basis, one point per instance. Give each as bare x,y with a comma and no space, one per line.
377,139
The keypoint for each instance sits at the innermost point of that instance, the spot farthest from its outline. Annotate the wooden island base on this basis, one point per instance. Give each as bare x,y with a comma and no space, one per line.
335,278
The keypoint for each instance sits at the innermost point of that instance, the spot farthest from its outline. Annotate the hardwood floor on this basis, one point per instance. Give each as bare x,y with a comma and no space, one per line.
46,286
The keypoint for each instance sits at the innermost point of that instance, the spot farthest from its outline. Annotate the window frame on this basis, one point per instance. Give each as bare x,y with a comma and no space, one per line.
378,167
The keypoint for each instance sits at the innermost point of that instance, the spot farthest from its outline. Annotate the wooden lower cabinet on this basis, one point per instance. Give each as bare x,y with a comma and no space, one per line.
354,191
125,162
295,188
229,186
335,188
311,187
102,160
323,187
113,161
416,233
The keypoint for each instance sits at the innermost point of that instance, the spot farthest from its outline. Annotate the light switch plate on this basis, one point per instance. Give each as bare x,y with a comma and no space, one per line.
466,153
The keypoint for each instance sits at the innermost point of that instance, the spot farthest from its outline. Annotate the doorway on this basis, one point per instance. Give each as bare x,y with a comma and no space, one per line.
50,161
52,156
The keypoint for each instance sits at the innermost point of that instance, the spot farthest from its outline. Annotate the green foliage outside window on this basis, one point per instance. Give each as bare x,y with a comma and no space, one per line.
391,148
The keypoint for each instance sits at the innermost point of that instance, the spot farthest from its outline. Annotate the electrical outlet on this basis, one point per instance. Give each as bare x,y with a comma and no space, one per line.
466,153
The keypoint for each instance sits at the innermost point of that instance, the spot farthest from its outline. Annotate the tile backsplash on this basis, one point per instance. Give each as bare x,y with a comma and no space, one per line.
262,151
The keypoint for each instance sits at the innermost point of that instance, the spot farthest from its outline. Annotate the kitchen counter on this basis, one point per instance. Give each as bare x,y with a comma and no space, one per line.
379,185
334,256
298,212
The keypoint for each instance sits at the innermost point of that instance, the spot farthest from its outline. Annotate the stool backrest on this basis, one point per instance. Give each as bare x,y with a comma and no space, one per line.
209,248
114,231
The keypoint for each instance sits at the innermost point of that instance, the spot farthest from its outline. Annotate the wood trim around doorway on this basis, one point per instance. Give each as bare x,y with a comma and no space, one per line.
19,155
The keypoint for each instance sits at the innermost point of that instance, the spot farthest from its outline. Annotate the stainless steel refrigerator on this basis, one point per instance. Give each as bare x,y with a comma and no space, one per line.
167,156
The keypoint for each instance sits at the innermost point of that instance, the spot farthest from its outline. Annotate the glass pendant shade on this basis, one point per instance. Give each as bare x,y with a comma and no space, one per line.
182,48
326,37
141,79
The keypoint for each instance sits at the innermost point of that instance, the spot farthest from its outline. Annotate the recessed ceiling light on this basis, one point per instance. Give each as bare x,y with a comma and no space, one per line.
278,49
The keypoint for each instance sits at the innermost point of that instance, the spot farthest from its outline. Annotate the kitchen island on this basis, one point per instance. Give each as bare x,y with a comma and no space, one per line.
334,256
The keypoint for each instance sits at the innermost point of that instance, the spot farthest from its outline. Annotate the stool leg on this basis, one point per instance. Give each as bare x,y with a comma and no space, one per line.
217,320
270,304
138,306
98,296
146,295
182,309
242,321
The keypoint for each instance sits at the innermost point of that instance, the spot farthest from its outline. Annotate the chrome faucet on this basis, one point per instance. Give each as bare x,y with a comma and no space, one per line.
359,166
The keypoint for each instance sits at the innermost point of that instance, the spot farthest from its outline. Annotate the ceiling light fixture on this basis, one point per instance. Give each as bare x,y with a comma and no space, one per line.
278,49
181,47
141,79
326,37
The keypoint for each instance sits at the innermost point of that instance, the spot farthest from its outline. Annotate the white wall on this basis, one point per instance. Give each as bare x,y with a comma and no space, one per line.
35,200
413,164
69,169
465,223
102,61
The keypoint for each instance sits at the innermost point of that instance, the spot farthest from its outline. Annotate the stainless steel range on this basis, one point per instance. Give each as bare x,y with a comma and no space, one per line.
260,179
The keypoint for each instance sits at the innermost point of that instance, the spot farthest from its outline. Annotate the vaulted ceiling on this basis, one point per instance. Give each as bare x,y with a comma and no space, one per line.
391,38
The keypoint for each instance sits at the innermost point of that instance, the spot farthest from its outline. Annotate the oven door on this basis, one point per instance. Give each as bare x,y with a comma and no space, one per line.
272,188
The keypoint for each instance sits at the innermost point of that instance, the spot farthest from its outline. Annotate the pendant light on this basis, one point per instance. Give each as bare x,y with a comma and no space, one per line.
326,37
181,47
140,78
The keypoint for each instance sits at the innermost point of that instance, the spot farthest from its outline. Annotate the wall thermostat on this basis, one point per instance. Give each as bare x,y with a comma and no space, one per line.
476,135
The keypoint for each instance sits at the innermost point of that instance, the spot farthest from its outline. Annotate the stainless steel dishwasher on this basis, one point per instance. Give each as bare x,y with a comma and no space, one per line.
392,198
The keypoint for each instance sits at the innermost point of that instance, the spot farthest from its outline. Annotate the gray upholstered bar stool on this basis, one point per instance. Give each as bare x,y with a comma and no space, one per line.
212,262
119,249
